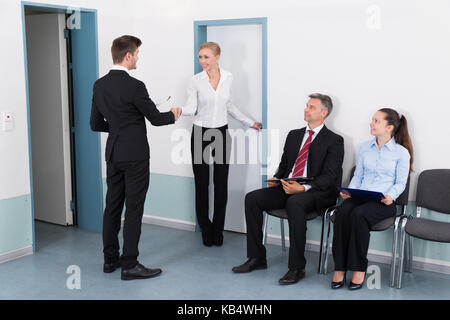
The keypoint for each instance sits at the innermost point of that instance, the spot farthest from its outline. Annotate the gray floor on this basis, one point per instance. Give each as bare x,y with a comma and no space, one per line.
190,271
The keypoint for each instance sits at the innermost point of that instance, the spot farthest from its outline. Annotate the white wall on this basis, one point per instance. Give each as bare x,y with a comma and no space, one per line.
313,46
14,173
318,46
14,165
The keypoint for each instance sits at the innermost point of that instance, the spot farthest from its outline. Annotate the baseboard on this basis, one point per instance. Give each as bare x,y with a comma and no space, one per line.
167,222
15,254
376,256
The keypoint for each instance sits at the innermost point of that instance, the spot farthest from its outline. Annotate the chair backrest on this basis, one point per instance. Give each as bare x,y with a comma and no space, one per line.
352,172
402,199
433,190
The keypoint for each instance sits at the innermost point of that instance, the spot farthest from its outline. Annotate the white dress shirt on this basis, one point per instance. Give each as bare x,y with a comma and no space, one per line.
117,67
305,137
210,107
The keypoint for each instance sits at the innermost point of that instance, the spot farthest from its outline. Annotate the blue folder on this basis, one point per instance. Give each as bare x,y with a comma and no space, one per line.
363,194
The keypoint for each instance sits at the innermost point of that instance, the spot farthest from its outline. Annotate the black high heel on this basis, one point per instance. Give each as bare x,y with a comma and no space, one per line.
338,285
207,239
356,286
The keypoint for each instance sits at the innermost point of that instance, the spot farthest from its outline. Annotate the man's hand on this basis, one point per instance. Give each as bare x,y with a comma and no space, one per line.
387,200
292,187
345,195
176,112
273,184
257,126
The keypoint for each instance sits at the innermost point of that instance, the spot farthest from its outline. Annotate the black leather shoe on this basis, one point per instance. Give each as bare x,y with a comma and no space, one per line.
292,276
111,267
207,239
250,265
339,284
355,286
139,272
218,240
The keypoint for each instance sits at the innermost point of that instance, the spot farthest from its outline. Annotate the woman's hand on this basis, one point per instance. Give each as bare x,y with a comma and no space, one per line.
292,187
257,126
387,200
345,195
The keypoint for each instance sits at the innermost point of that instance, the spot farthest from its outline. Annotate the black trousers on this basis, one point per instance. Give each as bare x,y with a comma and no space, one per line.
127,183
218,142
296,205
353,222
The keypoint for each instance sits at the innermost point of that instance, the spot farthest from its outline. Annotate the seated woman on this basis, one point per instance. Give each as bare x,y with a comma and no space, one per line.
383,165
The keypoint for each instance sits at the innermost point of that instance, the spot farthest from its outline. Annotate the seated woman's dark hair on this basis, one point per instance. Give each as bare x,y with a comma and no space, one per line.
400,132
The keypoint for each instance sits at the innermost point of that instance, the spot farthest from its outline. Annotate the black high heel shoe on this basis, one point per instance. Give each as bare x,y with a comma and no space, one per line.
338,285
356,286
207,239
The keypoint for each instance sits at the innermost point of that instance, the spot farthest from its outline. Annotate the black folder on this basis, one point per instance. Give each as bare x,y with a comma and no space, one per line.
363,194
301,180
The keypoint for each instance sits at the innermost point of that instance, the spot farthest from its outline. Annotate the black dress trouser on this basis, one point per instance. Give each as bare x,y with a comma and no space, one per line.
218,141
296,205
127,183
351,234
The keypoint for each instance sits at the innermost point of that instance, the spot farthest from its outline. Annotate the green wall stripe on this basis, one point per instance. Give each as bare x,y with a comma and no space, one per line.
16,230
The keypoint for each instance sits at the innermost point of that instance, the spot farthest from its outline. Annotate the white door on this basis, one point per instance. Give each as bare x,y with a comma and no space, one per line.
241,47
49,117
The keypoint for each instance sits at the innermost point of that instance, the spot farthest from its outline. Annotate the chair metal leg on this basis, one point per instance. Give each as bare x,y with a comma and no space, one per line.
394,252
405,266
409,266
402,253
324,221
283,244
266,217
410,252
327,246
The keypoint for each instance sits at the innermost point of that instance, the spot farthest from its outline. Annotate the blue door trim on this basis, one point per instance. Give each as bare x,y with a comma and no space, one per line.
96,157
200,29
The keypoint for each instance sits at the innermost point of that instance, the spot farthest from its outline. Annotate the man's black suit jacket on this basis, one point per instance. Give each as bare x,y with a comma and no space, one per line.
325,157
119,105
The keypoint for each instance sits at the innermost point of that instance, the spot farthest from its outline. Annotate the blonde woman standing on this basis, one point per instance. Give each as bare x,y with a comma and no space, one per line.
210,102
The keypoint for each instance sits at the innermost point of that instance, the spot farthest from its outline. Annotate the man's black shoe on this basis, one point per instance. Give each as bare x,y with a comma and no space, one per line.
250,265
292,276
139,272
111,267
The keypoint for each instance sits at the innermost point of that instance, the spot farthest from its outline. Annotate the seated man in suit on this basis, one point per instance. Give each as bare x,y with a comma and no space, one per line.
314,152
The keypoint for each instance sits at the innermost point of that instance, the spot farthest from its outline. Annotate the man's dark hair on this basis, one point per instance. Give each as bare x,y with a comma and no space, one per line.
122,45
325,101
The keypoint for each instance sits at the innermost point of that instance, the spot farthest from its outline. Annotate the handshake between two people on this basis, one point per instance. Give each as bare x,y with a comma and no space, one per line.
176,112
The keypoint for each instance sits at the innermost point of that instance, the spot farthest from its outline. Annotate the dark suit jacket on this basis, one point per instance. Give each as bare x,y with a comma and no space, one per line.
325,157
119,105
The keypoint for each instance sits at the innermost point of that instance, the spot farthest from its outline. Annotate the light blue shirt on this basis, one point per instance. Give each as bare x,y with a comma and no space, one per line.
384,170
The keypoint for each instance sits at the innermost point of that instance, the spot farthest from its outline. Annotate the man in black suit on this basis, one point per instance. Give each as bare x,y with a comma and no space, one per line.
120,105
314,152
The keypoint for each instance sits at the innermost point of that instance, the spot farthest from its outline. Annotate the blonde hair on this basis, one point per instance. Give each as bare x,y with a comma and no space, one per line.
211,45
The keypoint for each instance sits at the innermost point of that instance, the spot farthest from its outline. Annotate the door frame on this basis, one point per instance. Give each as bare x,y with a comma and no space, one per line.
200,36
95,194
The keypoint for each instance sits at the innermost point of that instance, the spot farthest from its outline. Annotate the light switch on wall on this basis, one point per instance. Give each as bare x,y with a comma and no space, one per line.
7,121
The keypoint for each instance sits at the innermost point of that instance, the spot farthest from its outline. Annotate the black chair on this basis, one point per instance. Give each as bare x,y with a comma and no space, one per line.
433,193
383,225
282,214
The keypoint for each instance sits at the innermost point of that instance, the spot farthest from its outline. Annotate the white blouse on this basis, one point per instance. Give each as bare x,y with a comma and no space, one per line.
209,106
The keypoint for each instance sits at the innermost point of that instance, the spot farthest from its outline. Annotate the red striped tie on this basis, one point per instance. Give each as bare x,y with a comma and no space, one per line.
299,167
